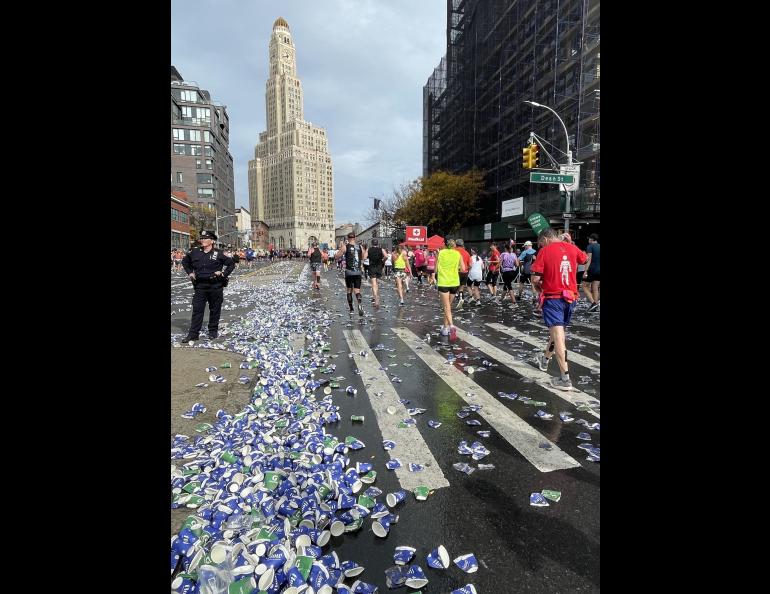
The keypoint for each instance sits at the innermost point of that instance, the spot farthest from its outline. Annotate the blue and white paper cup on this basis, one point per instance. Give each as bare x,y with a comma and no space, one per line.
438,558
393,499
393,464
381,527
360,587
403,555
351,568
466,589
467,563
415,578
337,528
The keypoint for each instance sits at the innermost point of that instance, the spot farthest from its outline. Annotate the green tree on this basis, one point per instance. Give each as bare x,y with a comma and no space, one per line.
201,217
443,201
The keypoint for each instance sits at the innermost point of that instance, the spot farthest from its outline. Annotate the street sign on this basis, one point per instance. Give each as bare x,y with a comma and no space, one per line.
487,230
512,207
416,235
550,178
573,170
568,215
537,222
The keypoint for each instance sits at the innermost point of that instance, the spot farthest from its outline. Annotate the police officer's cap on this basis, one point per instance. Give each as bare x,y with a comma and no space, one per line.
208,235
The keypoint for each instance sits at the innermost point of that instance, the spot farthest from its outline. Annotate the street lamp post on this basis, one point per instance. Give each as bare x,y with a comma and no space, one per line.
569,155
216,221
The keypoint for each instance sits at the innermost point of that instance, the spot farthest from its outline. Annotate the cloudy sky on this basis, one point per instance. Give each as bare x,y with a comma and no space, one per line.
362,64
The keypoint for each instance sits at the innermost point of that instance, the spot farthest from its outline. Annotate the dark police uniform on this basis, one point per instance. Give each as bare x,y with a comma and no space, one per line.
208,287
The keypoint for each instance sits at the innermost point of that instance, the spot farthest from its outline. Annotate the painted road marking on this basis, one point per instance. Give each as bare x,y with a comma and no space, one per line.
570,335
516,431
571,355
410,446
525,370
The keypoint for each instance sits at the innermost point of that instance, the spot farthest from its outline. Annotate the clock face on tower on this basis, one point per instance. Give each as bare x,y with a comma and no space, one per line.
286,55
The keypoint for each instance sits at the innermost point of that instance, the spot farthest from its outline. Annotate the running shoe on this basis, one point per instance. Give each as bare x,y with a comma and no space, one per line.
592,308
542,361
460,303
400,303
452,333
478,302
564,385
360,309
444,330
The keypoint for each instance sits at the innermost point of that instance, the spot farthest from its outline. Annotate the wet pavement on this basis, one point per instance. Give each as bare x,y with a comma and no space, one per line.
520,548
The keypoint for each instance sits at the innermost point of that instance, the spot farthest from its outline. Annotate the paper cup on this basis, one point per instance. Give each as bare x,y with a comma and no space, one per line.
416,577
337,528
266,579
439,558
393,499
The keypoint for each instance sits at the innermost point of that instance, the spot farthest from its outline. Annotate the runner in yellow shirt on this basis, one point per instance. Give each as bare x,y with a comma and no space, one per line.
449,264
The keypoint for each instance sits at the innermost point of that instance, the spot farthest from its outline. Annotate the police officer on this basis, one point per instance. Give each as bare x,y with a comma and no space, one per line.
204,266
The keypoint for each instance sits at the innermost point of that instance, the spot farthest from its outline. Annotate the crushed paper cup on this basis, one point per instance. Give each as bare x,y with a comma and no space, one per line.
438,558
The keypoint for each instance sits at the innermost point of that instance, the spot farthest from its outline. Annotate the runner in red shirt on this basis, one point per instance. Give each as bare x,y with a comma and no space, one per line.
463,275
553,274
493,270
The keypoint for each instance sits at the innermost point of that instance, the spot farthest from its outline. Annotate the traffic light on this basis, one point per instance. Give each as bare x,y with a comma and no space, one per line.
534,156
526,157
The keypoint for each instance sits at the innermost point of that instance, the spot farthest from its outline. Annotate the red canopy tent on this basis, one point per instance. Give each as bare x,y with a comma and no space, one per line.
435,242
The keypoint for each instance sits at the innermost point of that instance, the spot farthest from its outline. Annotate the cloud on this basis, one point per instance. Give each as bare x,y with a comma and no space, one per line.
362,64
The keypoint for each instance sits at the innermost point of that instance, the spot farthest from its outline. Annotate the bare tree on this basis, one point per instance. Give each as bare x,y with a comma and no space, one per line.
201,217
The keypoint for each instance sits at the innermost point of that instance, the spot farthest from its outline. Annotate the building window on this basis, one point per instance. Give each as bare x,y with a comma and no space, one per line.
178,134
174,214
204,178
198,163
195,135
195,149
207,136
187,111
191,96
209,164
204,113
179,149
205,192
179,177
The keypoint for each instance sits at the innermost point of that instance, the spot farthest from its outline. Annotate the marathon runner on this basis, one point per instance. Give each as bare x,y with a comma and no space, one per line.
492,271
449,264
554,274
401,270
420,263
527,258
430,267
508,265
314,253
475,275
463,275
353,256
591,279
376,263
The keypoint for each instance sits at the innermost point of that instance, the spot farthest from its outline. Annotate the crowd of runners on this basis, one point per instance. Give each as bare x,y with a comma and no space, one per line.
551,275
244,257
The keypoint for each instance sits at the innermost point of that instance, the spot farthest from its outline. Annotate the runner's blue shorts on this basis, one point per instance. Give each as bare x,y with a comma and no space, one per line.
557,312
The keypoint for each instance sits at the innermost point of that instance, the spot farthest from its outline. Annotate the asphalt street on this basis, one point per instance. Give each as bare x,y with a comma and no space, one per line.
519,547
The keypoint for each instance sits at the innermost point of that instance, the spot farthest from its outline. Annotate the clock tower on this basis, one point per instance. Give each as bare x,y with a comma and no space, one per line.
290,177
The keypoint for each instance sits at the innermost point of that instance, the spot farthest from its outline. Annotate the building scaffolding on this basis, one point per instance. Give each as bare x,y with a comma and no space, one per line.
499,54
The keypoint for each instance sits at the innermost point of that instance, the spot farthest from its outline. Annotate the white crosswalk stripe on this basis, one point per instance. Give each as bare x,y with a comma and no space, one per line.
410,446
525,438
524,369
571,355
570,334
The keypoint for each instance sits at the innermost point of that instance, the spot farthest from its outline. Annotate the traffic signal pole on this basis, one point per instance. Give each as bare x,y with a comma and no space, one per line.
569,157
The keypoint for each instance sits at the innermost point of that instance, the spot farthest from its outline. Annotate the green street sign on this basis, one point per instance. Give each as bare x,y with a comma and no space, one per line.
551,178
537,222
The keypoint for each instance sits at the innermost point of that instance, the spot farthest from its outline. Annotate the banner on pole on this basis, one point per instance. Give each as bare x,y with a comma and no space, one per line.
537,222
416,235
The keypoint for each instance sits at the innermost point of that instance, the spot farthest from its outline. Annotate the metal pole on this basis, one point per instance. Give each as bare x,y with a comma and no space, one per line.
216,222
569,159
